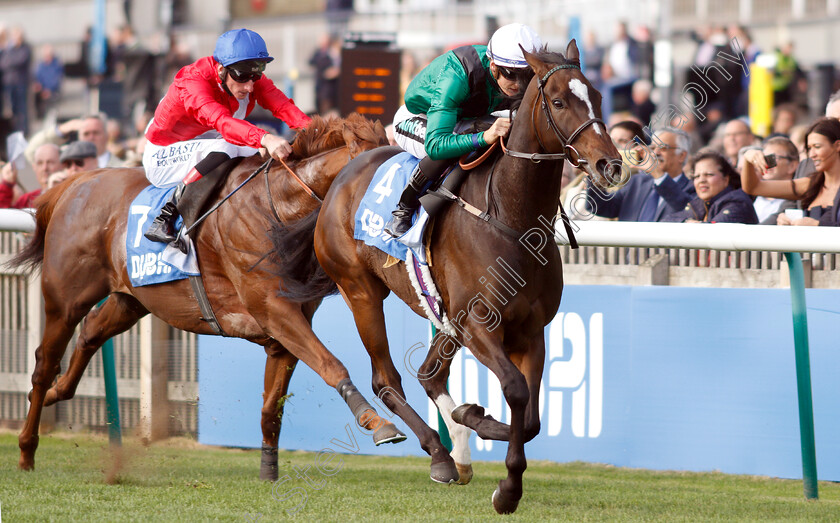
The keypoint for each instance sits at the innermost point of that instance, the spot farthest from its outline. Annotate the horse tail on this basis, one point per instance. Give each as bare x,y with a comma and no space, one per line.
31,256
302,279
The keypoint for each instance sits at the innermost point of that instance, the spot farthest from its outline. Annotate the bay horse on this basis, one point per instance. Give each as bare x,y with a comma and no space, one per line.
79,246
501,320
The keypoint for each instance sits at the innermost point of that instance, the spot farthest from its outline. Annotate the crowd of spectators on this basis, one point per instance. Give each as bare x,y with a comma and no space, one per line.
718,169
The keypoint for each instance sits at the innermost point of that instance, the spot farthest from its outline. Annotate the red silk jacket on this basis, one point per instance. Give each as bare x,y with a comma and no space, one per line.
196,102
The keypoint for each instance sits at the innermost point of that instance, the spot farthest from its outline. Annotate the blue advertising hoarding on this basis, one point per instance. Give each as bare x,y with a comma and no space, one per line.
652,377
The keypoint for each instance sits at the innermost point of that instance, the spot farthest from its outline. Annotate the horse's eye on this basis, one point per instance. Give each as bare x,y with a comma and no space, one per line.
558,104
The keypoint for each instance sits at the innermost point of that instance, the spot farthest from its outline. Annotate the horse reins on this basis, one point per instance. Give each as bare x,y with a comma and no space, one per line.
565,142
568,149
306,188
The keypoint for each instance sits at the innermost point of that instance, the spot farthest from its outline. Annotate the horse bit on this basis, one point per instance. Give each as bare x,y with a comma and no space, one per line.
568,149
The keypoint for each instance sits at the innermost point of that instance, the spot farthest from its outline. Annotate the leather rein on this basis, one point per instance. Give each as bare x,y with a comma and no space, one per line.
574,159
569,154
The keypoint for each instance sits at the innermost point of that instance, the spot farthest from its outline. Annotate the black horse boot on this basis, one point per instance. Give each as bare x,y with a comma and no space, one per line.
425,174
162,228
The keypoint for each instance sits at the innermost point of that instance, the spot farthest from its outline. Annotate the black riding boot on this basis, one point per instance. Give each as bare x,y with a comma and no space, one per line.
162,228
189,199
425,174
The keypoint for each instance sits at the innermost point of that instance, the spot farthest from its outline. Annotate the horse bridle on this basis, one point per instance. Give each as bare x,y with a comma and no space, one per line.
566,142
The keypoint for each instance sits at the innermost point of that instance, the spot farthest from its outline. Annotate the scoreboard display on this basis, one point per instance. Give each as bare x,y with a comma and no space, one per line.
370,76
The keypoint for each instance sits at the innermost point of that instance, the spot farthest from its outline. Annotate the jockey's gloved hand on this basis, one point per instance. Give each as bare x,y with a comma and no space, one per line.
500,128
276,146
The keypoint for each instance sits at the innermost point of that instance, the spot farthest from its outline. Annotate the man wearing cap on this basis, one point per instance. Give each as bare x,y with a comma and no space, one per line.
200,124
76,157
468,82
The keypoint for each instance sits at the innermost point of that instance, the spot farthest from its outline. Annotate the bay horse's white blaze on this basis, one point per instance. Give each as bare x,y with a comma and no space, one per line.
579,89
459,434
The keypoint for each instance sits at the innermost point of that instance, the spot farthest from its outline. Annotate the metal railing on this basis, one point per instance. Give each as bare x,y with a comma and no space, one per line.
21,320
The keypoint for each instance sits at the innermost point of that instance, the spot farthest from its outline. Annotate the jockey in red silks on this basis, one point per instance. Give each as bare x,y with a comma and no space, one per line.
200,123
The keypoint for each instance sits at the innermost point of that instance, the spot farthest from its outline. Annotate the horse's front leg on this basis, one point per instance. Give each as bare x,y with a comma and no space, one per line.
487,347
530,360
279,366
434,375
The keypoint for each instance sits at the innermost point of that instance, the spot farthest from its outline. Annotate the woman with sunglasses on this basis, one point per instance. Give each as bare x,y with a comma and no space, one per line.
200,124
468,82
719,197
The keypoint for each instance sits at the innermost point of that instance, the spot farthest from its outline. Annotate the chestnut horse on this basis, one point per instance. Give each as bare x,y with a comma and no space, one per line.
79,245
499,285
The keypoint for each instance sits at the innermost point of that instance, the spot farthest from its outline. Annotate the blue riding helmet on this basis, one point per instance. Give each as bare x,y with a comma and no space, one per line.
238,45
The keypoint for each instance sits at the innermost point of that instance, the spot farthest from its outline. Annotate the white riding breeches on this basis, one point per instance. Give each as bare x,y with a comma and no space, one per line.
168,165
410,132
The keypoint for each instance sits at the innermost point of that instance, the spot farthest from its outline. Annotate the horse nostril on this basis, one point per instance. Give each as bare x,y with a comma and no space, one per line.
604,168
610,171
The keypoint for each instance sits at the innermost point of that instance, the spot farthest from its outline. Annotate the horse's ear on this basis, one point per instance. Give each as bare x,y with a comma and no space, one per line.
536,64
380,133
572,53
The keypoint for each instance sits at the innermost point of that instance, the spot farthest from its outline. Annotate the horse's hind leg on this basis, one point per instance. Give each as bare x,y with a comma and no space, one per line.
115,316
433,376
61,320
279,366
366,304
296,335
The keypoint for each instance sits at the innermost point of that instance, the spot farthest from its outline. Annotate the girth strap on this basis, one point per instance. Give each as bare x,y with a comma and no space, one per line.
204,305
446,194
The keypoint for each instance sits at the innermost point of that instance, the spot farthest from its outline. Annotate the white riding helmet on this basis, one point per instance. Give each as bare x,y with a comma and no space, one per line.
504,50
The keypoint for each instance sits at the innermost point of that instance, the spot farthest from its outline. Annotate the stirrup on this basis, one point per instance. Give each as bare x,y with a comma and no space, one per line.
182,242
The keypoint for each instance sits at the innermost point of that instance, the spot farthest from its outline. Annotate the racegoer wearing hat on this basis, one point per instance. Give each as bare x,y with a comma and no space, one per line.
467,82
200,123
75,157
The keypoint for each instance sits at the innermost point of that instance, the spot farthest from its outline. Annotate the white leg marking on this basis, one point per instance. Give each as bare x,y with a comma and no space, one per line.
579,89
459,434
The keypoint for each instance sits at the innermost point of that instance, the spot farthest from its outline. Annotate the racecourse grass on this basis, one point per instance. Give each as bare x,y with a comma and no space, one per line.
179,480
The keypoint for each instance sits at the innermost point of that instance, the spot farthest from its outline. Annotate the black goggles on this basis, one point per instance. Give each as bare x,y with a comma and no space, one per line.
244,72
515,75
78,162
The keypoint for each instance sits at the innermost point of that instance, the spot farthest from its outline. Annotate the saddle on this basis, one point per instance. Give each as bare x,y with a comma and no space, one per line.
202,191
435,200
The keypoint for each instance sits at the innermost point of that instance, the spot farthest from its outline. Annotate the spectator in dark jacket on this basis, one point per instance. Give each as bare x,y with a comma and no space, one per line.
15,62
48,75
719,197
649,197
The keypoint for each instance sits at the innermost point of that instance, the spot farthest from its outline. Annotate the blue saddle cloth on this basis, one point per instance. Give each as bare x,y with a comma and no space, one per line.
380,200
146,261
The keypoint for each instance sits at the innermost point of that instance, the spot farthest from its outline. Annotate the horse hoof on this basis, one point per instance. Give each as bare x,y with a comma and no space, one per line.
444,472
26,464
50,397
465,473
388,433
502,505
458,413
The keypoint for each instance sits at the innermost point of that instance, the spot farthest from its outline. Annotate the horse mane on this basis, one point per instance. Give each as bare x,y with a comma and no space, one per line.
555,58
321,135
